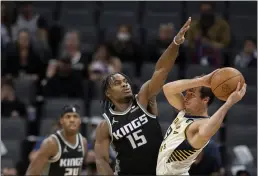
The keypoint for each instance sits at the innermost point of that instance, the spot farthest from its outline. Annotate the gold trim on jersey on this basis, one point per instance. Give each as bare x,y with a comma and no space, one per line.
180,155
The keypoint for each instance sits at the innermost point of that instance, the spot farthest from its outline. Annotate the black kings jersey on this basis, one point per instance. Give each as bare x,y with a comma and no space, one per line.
136,137
68,160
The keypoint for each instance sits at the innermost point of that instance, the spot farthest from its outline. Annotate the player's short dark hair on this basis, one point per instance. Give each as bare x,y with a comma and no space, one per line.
69,108
206,92
106,102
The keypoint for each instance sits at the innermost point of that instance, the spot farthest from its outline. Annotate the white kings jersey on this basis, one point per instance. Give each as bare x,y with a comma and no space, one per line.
176,155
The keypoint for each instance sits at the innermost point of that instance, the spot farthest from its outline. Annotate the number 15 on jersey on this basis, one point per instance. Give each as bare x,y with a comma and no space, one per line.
136,139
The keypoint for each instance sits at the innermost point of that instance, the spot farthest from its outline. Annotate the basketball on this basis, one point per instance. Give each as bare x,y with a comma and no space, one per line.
225,81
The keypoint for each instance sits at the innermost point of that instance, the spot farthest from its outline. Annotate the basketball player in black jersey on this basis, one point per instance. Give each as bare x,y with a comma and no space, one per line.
130,119
62,153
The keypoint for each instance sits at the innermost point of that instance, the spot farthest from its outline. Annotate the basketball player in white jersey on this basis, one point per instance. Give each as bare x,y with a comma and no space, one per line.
192,129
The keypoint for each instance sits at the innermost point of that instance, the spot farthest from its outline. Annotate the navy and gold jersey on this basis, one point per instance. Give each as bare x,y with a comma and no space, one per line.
176,155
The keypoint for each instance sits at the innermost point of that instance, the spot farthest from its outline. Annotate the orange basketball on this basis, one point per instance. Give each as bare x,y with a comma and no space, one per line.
225,81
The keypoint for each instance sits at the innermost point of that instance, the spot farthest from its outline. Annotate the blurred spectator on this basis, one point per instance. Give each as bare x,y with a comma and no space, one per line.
208,36
42,43
125,48
22,58
11,106
27,19
9,171
103,64
243,173
5,36
3,150
62,81
159,45
248,56
55,36
71,49
208,162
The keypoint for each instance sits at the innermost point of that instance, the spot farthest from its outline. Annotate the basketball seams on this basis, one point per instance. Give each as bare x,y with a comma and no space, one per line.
226,81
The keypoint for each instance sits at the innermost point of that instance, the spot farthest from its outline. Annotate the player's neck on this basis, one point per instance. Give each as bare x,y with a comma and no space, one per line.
69,138
203,114
121,107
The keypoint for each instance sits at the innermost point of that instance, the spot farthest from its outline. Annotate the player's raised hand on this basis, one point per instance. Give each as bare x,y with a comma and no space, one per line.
206,79
237,95
180,37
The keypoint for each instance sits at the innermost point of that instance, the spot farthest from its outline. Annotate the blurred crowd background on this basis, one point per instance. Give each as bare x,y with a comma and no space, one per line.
57,53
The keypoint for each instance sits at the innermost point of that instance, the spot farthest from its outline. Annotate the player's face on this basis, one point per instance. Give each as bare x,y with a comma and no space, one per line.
193,102
119,89
71,122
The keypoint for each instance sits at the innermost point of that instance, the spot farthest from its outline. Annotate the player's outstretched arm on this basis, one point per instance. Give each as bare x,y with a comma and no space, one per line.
173,90
48,149
163,67
206,129
101,148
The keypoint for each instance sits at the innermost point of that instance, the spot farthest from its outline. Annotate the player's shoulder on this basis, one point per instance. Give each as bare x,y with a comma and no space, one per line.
84,140
102,129
183,118
181,114
50,141
49,146
103,124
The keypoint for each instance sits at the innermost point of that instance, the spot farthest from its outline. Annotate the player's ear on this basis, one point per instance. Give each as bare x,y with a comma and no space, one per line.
61,121
206,100
108,93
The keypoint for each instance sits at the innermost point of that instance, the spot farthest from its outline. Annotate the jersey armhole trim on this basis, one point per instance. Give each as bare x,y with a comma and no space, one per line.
186,135
144,110
189,142
58,155
109,126
82,143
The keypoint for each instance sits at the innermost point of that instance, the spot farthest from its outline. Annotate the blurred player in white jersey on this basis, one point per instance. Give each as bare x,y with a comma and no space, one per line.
192,129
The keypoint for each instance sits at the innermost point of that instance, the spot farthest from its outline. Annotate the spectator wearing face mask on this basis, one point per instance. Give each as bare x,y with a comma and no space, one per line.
248,56
208,36
125,48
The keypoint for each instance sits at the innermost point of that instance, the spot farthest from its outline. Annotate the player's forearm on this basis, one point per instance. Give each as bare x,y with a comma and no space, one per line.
33,171
212,126
180,86
167,59
103,167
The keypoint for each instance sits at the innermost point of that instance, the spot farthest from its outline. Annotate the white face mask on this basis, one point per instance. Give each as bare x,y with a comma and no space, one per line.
123,36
